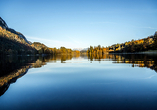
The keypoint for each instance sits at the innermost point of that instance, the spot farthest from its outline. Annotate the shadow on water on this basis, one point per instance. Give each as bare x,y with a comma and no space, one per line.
14,67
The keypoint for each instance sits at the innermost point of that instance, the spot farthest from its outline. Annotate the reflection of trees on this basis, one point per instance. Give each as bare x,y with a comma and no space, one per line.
38,64
12,63
13,67
138,60
42,60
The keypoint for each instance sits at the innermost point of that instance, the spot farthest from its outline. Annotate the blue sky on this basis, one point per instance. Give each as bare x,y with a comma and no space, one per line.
81,23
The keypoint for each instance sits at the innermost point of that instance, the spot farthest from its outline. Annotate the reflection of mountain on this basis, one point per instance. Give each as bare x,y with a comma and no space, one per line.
13,67
4,88
137,60
5,81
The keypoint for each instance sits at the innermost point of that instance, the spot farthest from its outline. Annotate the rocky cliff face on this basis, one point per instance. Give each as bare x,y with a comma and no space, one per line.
4,25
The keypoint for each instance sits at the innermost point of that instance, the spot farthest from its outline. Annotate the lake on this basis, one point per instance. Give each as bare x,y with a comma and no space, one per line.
83,82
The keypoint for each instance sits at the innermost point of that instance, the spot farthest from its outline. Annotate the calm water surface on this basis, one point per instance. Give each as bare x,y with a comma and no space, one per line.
80,82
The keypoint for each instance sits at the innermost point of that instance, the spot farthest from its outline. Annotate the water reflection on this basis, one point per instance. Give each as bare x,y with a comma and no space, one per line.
12,68
137,60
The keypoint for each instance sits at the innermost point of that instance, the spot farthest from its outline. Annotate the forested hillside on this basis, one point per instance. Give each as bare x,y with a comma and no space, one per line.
46,50
11,43
133,46
15,43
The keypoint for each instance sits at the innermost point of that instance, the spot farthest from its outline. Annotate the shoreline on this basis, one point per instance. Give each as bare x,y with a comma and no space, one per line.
144,52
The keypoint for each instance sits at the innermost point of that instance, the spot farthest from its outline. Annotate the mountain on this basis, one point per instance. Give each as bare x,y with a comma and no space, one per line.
13,42
5,26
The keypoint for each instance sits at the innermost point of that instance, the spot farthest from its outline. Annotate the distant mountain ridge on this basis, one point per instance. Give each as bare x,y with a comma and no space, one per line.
81,49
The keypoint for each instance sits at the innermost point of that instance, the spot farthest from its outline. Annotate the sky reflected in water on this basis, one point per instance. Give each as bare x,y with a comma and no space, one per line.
82,83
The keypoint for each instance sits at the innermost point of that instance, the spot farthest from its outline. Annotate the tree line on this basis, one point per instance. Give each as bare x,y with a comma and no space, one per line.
13,44
133,46
43,49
